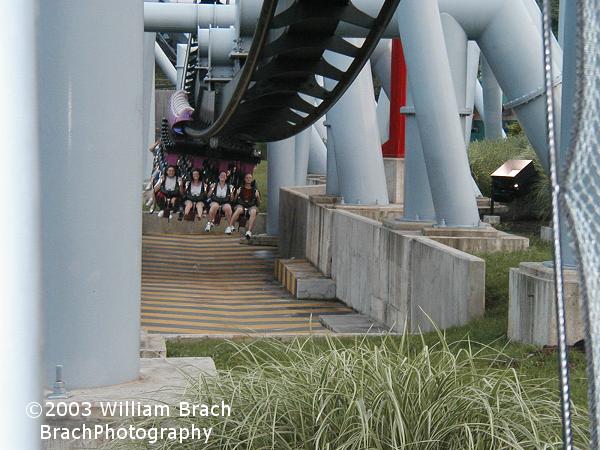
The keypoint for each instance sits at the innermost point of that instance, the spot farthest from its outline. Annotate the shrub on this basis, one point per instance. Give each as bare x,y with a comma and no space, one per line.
486,156
394,396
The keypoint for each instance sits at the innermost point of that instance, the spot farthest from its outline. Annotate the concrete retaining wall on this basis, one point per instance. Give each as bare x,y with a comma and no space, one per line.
393,276
293,205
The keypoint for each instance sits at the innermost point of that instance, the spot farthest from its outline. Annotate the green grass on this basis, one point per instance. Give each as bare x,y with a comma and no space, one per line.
530,362
377,393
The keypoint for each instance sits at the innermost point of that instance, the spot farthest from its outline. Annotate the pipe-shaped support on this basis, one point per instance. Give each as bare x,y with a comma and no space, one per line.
184,17
433,90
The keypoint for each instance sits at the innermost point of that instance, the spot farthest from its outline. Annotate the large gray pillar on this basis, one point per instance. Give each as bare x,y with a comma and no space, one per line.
180,64
301,158
353,121
333,186
91,134
431,85
317,158
473,55
281,172
20,234
569,39
492,102
418,203
149,68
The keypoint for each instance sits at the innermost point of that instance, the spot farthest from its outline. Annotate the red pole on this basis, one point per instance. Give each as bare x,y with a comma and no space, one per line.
395,146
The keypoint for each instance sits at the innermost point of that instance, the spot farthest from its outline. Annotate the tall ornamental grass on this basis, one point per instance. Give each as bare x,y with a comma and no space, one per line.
394,396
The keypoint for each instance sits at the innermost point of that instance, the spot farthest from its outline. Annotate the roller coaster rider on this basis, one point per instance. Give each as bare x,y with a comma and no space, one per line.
220,194
168,192
248,200
195,196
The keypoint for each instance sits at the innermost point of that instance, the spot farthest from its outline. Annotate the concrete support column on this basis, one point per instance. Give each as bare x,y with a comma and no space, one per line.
492,102
302,155
281,172
353,121
91,134
20,236
333,186
430,80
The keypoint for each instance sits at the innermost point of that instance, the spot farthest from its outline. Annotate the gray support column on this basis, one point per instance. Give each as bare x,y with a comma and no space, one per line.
473,55
512,45
20,235
353,121
281,172
165,64
149,68
91,133
569,39
383,116
381,64
317,159
430,80
301,158
180,66
418,203
333,185
492,102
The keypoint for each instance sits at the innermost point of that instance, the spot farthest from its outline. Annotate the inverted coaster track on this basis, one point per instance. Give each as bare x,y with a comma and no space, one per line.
275,94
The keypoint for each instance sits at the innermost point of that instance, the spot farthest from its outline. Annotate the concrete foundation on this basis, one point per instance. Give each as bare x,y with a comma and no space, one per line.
532,305
396,277
546,234
394,178
484,239
353,324
301,279
162,381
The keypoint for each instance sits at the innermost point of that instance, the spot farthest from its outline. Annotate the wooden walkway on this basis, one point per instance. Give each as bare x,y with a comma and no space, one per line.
211,284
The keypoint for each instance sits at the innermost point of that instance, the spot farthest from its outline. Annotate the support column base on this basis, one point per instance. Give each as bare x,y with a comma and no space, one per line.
532,305
394,178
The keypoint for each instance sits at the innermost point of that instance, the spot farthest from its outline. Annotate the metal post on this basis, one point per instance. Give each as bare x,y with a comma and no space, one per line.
20,235
91,100
301,157
353,121
492,102
432,89
281,156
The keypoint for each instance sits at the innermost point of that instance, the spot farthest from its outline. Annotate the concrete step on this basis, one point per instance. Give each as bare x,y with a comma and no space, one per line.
301,279
152,345
353,323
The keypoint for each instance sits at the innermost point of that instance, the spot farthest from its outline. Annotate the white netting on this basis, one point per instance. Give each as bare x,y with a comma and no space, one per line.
582,189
